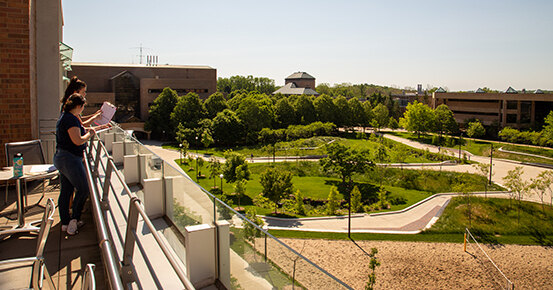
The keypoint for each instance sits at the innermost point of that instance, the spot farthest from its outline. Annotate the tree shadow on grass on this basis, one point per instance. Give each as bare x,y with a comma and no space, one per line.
486,237
369,192
540,237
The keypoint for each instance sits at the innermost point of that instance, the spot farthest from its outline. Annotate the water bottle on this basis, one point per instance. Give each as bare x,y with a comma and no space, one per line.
18,165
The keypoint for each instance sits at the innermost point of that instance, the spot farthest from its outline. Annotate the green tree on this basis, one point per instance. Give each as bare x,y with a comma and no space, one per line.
159,120
445,122
250,231
539,186
187,134
246,83
214,169
372,266
299,207
227,128
418,118
325,108
466,191
380,117
188,111
356,204
234,166
183,149
284,113
206,138
518,188
214,104
332,201
383,202
343,112
548,126
305,111
276,185
369,116
393,124
240,190
358,115
476,129
345,161
484,171
256,113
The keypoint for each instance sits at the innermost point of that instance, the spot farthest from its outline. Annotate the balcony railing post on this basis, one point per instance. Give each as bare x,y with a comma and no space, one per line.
97,160
130,239
107,184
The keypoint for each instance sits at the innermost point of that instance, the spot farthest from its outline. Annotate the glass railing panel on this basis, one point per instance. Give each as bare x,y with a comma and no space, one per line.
259,261
186,203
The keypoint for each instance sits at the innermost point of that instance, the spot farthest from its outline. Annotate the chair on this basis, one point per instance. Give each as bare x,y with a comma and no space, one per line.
39,271
32,155
49,210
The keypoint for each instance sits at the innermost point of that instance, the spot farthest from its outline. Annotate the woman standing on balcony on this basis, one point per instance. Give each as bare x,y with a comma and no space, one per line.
71,137
77,86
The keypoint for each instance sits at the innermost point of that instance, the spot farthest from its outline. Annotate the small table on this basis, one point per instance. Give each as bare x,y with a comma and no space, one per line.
30,172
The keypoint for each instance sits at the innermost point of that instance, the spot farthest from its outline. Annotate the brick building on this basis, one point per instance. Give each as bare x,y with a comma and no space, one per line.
298,83
133,88
517,109
31,72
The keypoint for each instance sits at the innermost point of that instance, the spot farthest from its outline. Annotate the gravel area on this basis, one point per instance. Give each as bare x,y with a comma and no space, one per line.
418,265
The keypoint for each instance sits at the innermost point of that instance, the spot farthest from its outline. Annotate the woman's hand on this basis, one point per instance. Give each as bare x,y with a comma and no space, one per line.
97,115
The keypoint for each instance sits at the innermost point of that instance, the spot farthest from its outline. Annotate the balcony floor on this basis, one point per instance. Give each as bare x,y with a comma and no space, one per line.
66,256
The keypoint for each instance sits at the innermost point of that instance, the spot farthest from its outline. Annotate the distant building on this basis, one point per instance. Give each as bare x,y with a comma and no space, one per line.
133,88
298,83
510,108
405,98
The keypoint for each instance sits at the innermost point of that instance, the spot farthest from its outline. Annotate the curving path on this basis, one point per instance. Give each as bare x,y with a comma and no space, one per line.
409,221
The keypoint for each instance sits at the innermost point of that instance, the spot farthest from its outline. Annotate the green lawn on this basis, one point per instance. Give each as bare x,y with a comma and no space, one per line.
396,152
493,221
406,187
482,148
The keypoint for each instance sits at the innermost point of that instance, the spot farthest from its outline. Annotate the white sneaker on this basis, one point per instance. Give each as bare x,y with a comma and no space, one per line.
64,228
72,227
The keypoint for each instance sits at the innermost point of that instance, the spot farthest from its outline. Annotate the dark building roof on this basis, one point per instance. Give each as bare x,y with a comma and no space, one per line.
480,91
300,75
510,90
292,89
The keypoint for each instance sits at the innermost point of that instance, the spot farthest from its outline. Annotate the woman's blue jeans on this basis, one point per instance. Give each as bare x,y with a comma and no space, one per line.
72,176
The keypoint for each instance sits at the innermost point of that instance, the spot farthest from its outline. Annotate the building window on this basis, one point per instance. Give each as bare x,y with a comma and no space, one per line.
155,91
525,112
512,105
511,118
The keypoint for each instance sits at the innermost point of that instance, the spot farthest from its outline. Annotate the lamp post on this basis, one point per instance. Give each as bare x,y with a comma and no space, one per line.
197,156
221,176
460,142
491,164
180,151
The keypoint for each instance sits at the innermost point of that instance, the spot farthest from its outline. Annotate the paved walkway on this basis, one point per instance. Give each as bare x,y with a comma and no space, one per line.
410,221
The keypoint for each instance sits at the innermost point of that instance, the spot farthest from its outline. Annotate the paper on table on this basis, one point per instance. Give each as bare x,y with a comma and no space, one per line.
108,110
42,168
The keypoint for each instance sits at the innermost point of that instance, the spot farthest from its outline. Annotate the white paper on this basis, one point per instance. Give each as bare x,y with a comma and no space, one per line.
42,168
108,110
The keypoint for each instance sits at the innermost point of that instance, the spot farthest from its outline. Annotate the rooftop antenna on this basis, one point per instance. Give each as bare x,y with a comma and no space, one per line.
140,48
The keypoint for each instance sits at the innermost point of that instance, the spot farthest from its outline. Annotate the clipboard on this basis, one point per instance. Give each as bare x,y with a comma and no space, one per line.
108,110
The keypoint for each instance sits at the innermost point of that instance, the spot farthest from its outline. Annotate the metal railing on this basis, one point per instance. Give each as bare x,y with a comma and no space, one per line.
117,278
89,281
222,211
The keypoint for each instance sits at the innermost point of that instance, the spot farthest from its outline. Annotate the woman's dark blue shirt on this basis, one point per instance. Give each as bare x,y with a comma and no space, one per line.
63,141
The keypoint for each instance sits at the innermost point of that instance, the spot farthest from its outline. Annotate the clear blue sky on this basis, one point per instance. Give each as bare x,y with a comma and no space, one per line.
461,45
